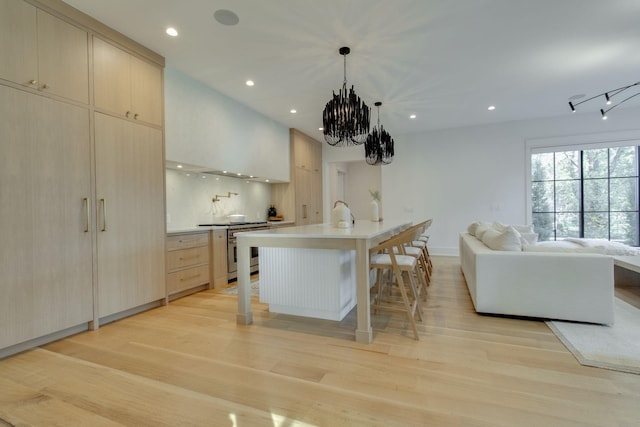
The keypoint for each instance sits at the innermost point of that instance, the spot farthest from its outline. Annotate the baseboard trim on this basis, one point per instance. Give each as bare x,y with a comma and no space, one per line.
46,339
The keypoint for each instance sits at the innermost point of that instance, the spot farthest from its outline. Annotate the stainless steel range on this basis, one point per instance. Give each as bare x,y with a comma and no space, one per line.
232,254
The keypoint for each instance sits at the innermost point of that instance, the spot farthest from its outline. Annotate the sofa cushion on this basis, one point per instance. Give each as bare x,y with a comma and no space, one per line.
507,240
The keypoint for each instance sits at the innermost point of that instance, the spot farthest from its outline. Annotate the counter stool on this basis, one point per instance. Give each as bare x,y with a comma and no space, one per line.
389,256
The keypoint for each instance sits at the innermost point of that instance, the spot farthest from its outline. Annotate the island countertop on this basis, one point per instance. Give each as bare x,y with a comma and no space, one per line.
361,229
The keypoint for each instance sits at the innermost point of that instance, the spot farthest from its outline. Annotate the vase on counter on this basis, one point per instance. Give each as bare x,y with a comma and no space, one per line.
374,211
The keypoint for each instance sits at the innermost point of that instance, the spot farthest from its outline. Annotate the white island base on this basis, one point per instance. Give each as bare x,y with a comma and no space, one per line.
315,283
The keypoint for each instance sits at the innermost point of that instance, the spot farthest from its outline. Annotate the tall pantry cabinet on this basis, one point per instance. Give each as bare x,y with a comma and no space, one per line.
82,185
301,198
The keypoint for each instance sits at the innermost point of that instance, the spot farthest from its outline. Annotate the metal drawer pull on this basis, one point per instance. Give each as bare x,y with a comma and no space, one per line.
104,215
87,224
189,257
184,279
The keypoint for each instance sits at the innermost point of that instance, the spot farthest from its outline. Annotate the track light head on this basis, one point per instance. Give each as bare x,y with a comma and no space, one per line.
604,115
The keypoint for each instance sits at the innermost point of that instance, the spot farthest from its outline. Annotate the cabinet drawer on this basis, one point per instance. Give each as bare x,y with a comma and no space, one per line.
187,257
187,240
189,278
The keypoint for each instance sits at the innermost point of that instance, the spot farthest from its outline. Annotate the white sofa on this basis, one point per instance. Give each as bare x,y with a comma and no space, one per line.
563,286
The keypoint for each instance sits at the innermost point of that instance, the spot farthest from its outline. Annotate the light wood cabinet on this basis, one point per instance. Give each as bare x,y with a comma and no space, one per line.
219,258
130,214
126,85
46,52
82,212
45,216
188,257
301,199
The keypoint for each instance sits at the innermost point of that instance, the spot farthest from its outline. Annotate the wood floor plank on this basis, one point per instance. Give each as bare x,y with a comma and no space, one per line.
189,363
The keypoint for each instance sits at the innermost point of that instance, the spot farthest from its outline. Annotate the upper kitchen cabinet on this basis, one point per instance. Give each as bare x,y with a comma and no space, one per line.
47,53
126,85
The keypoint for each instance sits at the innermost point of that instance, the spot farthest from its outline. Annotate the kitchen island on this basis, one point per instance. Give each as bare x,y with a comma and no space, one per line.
359,239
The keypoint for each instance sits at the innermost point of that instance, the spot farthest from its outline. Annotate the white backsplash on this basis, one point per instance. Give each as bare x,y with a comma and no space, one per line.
189,199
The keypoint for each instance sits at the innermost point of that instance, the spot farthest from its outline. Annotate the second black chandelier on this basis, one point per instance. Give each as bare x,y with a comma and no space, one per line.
378,148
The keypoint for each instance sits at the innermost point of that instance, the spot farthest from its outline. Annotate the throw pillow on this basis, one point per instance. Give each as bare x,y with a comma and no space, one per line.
508,240
524,228
482,228
471,229
528,238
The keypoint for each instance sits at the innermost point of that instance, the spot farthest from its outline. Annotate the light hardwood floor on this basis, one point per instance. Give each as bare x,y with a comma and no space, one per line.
190,364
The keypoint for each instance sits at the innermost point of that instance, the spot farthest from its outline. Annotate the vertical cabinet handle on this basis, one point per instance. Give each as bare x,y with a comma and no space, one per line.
104,214
87,223
33,82
135,116
127,114
304,211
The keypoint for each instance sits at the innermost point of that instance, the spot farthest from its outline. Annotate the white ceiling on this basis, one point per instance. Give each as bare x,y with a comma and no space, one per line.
444,60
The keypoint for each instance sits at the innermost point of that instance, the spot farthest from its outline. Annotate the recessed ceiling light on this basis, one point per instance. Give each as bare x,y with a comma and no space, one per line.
179,166
226,17
172,32
249,83
293,111
413,116
320,129
203,177
250,176
224,171
266,180
239,174
188,174
491,107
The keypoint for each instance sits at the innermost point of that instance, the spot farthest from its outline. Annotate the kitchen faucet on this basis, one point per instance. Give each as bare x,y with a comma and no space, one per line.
216,199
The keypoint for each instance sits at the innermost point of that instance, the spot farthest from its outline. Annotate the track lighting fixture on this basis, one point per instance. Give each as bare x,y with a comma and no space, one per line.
608,95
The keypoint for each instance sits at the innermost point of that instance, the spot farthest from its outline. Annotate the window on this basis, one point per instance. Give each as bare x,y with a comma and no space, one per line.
586,193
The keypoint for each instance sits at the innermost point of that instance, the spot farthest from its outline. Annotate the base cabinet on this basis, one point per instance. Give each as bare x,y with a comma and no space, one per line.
187,263
219,259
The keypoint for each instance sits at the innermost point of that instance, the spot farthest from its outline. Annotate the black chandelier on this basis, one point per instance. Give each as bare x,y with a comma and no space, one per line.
378,148
608,99
345,118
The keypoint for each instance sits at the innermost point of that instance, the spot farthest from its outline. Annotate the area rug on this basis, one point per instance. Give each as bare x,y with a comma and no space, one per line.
233,290
614,347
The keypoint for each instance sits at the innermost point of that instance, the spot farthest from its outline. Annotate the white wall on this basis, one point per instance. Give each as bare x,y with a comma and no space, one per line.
189,199
456,176
361,178
206,128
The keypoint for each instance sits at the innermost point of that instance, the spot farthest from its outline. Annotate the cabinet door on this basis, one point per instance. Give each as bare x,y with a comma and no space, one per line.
63,64
219,265
18,42
111,78
146,91
130,225
45,183
304,208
